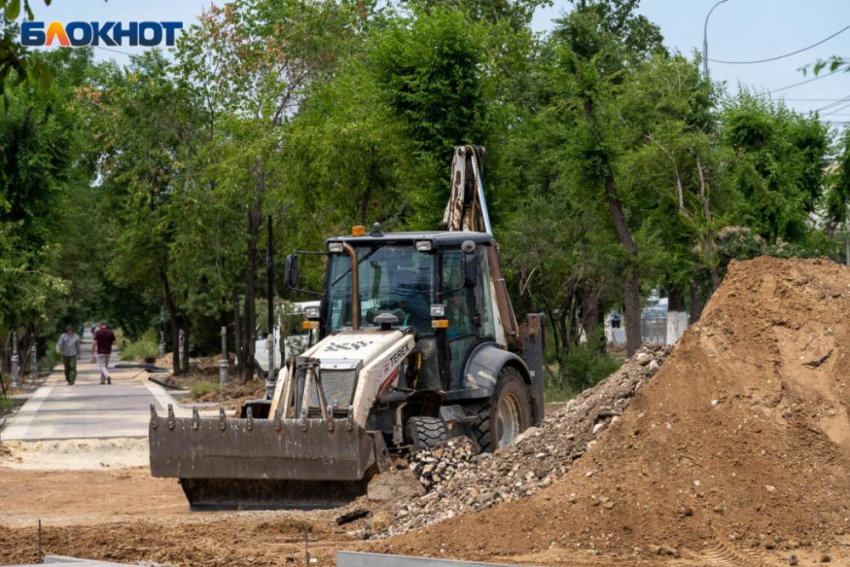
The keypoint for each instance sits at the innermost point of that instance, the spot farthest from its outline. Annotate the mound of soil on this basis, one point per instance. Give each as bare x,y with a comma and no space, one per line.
459,480
737,450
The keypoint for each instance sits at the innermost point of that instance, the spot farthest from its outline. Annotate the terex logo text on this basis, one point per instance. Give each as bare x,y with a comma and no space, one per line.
81,34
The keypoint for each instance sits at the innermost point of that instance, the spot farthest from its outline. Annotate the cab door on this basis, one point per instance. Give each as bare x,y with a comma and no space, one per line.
461,305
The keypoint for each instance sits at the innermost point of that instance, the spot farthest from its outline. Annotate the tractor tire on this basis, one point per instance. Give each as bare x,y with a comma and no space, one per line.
425,432
505,415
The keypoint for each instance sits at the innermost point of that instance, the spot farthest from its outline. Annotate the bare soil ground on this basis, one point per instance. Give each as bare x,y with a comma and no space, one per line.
735,453
205,370
126,516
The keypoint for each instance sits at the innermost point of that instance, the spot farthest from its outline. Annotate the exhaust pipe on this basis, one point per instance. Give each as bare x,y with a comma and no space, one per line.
355,287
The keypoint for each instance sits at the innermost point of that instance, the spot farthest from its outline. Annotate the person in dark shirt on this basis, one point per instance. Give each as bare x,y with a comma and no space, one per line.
104,338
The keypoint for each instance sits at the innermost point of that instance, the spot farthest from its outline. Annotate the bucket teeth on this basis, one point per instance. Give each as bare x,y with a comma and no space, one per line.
153,416
277,423
222,419
170,416
250,418
196,418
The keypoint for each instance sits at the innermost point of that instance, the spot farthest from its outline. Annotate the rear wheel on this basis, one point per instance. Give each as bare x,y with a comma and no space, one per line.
507,414
425,432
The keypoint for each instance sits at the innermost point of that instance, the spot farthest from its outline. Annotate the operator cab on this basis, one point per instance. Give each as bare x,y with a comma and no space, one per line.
436,284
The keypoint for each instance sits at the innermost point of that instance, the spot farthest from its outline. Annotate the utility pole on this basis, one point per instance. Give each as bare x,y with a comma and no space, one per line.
34,360
181,354
15,360
705,39
161,334
271,377
224,362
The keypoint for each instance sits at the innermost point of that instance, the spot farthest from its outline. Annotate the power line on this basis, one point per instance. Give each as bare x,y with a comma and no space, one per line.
114,50
778,57
833,103
840,108
809,80
813,99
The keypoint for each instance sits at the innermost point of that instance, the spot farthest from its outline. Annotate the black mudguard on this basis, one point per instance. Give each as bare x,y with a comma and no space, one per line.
482,373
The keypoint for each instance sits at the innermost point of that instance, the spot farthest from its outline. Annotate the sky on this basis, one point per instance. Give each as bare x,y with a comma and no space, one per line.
738,30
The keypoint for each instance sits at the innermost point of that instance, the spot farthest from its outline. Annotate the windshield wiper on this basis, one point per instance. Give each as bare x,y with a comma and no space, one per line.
359,261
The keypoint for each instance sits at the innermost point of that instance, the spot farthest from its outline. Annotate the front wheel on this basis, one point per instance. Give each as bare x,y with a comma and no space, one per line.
506,414
425,432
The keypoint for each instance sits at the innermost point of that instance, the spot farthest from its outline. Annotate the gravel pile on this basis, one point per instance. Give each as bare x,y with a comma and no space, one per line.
459,481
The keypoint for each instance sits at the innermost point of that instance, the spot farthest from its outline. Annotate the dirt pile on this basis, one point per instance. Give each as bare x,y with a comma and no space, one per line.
737,450
460,481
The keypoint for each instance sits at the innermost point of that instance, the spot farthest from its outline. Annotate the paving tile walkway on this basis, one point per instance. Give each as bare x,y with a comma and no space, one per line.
88,410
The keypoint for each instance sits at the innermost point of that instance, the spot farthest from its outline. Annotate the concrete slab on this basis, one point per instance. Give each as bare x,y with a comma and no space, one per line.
356,559
89,410
61,559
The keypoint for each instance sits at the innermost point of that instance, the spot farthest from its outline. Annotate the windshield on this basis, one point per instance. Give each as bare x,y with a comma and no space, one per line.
393,279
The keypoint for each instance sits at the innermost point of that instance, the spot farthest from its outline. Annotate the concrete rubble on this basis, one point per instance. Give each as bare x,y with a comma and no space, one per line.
458,481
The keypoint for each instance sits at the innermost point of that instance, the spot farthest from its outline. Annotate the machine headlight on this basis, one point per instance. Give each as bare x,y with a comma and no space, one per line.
312,313
423,245
335,247
438,310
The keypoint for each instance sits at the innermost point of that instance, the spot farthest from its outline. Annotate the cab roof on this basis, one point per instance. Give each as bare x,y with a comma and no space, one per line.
438,238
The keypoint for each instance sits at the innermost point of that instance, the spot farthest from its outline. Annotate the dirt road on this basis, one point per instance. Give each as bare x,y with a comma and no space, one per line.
126,515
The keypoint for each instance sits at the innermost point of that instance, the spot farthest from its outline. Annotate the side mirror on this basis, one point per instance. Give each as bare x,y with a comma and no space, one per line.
291,271
469,264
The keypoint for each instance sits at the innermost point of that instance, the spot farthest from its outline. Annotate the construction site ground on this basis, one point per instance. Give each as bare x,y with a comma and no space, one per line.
731,450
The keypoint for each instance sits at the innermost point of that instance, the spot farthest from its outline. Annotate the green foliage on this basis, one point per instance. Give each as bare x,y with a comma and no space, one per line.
429,71
582,368
201,389
129,191
147,345
779,167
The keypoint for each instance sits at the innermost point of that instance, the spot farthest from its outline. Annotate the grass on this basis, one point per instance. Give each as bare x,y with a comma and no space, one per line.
201,389
582,368
145,347
6,403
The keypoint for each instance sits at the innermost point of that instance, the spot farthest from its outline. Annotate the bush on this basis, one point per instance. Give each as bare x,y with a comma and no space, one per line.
578,370
51,359
201,389
144,347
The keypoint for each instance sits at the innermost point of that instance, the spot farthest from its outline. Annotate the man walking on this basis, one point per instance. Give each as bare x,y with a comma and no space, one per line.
68,346
104,338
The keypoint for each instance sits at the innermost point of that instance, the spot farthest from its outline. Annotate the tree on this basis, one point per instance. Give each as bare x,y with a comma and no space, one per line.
594,49
779,167
142,122
250,74
428,68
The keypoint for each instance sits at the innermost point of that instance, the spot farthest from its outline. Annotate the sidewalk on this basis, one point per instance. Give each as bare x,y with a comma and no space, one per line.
88,410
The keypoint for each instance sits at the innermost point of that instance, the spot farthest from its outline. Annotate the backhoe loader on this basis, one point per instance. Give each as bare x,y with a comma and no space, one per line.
418,343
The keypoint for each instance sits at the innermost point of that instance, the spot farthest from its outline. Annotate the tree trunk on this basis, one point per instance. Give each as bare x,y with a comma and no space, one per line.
555,332
175,323
592,318
631,280
677,316
249,322
696,301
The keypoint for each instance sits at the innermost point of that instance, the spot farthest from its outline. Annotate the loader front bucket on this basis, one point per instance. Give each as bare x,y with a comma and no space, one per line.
235,463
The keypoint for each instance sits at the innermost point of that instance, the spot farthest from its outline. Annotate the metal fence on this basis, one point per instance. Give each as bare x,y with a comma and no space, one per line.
653,330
